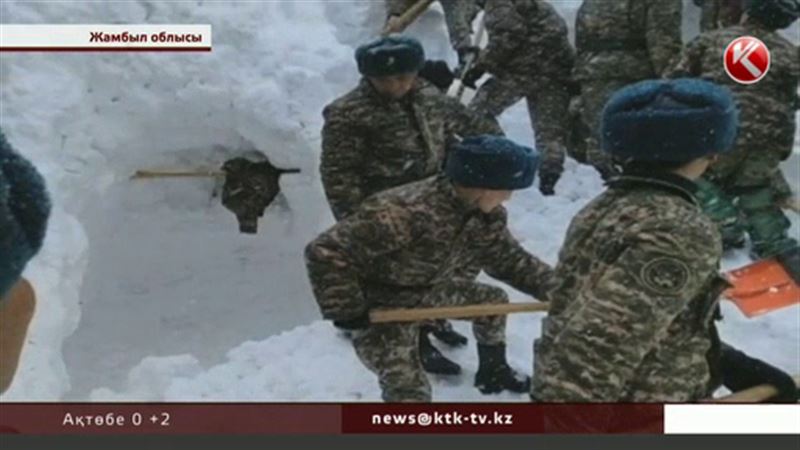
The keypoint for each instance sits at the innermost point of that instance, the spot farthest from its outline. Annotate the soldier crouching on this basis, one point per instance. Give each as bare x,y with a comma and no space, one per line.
409,247
637,284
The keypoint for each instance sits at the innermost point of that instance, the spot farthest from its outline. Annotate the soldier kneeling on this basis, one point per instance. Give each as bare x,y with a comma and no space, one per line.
409,246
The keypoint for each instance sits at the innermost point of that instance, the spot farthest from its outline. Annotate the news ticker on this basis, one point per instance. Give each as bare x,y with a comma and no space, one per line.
377,418
104,37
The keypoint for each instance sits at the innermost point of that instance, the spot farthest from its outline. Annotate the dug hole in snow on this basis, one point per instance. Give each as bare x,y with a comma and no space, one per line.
146,289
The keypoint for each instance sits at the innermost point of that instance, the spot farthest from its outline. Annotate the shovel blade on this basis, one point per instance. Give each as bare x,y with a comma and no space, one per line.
762,287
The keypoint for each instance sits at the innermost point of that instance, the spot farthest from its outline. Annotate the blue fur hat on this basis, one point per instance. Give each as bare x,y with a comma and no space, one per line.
24,209
491,162
669,121
391,55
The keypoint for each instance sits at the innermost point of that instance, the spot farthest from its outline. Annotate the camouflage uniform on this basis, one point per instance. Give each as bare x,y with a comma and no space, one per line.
636,289
620,42
407,247
370,144
719,13
529,56
458,14
750,175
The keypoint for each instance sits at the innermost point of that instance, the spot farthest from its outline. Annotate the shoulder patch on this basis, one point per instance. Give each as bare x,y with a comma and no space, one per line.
665,275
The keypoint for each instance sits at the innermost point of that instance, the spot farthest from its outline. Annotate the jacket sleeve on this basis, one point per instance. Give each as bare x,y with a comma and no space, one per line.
625,312
507,31
663,33
464,122
340,256
458,15
506,260
340,163
690,61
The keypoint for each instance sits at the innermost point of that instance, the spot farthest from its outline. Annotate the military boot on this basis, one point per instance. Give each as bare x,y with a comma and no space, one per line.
495,375
433,361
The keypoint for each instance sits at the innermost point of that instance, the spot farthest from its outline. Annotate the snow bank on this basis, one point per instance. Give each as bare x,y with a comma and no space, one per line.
133,274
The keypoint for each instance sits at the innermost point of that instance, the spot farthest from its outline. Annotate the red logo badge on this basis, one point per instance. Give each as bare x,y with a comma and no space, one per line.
746,60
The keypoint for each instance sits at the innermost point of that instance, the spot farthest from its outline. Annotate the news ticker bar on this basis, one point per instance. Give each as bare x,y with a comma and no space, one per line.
104,37
360,418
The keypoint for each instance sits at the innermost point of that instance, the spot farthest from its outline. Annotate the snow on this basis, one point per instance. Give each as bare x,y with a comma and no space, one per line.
146,289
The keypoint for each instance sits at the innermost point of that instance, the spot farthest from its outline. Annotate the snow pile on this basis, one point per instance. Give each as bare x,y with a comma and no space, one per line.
134,273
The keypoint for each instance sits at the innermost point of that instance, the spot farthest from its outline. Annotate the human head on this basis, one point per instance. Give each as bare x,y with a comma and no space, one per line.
486,169
669,124
391,64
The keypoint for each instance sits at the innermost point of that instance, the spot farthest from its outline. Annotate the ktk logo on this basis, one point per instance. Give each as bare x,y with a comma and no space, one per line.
747,60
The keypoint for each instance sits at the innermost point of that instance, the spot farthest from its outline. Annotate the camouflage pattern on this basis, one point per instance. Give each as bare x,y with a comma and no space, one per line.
417,245
749,174
618,43
529,56
635,291
370,144
250,187
458,15
716,14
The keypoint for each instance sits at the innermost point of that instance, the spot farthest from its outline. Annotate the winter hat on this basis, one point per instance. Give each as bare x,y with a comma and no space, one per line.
24,209
774,14
669,121
391,55
491,162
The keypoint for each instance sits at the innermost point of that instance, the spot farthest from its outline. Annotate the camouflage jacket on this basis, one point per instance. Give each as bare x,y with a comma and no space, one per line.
458,14
370,144
526,38
766,109
635,291
626,39
406,240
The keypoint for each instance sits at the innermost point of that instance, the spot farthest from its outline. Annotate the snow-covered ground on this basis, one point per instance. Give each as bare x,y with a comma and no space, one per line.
146,289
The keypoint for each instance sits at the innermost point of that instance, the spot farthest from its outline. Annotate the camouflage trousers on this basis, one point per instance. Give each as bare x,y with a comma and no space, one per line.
751,209
594,95
391,350
548,104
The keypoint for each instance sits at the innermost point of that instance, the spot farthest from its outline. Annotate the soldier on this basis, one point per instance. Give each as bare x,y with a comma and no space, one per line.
618,43
24,211
719,13
528,56
748,176
637,283
391,130
409,246
458,15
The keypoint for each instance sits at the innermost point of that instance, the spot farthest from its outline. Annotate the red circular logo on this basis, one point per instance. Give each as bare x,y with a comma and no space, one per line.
746,60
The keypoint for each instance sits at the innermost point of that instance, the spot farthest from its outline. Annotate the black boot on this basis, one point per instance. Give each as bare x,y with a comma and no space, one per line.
443,331
495,375
433,361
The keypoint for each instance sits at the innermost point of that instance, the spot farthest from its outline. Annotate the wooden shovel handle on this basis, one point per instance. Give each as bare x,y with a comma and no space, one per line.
407,18
755,394
453,312
140,174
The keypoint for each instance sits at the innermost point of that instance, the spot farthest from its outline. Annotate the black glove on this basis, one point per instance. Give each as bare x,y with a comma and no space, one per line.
548,177
357,323
740,372
472,76
790,260
438,73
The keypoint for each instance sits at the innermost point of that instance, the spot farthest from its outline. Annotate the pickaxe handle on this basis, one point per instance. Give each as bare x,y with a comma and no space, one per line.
407,18
454,312
141,174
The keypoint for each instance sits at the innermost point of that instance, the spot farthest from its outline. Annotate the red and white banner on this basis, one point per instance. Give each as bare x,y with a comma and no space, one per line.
103,37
